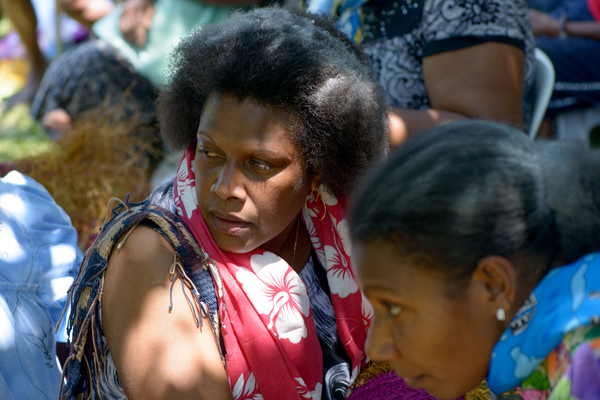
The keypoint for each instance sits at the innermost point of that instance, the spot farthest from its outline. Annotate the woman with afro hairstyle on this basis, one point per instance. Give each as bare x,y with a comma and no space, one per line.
478,249
234,280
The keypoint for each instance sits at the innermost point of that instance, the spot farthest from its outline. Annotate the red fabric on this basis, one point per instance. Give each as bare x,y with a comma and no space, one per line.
268,328
594,6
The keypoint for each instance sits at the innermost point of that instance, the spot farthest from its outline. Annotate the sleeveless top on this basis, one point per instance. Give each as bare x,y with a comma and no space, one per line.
90,370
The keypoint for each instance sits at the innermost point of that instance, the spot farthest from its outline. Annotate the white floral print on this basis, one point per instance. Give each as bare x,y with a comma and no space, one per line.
187,192
339,273
307,394
277,291
246,390
314,237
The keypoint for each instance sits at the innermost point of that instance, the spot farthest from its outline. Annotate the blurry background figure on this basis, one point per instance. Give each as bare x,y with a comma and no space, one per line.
123,67
568,31
22,15
86,12
39,260
40,29
439,60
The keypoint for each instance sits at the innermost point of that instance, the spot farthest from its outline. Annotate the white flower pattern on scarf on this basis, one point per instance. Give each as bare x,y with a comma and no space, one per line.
277,291
187,192
246,390
314,237
367,312
339,275
266,287
305,393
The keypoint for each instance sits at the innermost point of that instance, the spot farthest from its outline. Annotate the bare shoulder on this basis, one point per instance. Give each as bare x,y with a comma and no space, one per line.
143,250
455,83
158,350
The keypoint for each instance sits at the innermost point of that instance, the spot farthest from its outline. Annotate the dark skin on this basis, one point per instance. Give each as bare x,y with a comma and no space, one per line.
251,184
135,21
137,17
22,15
544,25
86,12
437,338
459,88
150,345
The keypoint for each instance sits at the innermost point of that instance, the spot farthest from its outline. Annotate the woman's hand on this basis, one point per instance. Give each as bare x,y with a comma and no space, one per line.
135,21
543,24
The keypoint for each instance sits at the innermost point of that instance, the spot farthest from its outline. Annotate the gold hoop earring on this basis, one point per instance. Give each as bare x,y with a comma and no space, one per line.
316,199
324,205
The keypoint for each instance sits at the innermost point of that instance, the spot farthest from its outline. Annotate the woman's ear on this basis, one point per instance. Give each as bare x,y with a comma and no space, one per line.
498,278
316,182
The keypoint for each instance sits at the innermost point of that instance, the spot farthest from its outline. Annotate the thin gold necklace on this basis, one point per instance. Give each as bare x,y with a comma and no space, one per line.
296,241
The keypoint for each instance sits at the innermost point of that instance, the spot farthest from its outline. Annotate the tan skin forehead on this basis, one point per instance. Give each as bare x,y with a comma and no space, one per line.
276,114
384,272
277,117
434,335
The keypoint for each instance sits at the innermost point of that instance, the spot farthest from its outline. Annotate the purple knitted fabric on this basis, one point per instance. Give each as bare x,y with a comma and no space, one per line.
389,386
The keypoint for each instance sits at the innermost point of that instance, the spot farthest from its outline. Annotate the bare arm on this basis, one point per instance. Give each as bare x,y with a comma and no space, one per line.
584,29
483,81
86,12
137,15
135,21
544,25
158,354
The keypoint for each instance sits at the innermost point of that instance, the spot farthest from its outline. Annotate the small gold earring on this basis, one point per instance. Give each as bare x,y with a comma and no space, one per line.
316,198
324,206
500,314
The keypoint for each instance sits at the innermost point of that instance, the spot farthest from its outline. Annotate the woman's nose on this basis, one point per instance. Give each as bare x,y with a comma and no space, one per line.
229,183
380,344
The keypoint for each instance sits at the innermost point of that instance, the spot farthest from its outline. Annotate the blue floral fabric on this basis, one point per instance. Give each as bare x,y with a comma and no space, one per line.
566,300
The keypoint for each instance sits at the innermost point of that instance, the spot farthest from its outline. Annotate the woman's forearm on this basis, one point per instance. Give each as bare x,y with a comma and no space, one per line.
404,123
586,29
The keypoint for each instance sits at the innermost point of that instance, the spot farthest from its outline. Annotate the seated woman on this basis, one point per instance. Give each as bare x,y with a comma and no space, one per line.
478,251
444,60
568,31
234,280
122,68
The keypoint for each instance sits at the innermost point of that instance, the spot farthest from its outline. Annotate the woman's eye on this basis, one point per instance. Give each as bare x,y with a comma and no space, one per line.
260,165
393,309
208,153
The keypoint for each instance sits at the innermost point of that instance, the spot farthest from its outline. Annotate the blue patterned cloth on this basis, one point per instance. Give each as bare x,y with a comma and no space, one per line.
348,15
39,259
566,299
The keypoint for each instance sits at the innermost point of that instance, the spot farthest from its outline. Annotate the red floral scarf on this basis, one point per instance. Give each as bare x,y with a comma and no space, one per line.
272,346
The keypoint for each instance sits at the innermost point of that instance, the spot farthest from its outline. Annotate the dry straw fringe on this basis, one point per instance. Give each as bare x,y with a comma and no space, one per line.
100,158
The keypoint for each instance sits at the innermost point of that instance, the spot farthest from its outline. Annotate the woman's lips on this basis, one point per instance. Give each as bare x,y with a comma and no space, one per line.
229,225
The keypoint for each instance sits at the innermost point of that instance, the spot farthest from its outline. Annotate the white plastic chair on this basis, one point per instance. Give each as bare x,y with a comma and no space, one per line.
542,87
577,124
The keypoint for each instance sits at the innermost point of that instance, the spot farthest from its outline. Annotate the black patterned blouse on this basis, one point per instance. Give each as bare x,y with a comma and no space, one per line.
398,34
